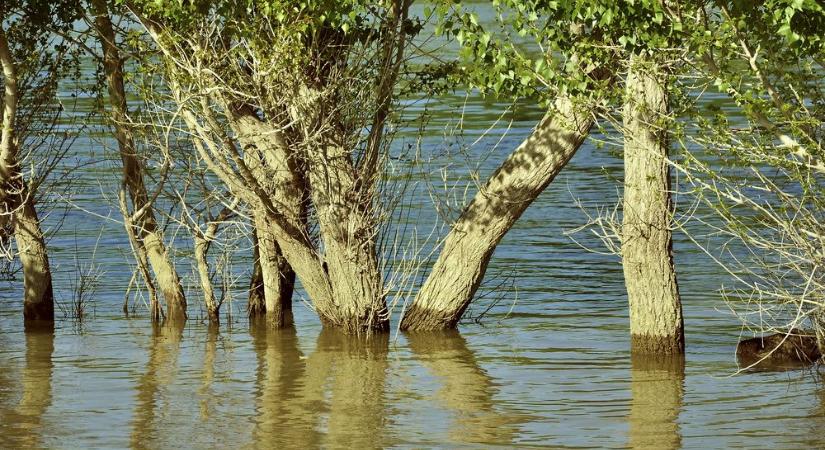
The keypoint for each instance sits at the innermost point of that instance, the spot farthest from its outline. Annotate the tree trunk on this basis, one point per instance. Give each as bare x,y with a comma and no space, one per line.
256,306
202,264
147,230
348,232
273,168
277,276
38,301
647,244
467,250
18,202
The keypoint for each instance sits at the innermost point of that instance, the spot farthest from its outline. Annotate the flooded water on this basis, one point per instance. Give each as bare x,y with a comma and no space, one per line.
549,365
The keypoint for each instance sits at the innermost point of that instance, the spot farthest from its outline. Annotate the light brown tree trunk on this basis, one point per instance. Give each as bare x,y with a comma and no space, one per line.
256,306
647,242
202,264
277,276
18,202
273,168
38,300
467,250
346,219
348,231
147,230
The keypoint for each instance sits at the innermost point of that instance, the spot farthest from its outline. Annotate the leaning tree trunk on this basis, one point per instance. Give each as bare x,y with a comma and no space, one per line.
272,167
647,243
467,250
18,202
205,277
146,226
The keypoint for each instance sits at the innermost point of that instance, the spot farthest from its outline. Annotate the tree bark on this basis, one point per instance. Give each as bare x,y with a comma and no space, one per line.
647,242
38,300
256,306
277,277
269,161
18,202
202,264
147,230
470,244
350,257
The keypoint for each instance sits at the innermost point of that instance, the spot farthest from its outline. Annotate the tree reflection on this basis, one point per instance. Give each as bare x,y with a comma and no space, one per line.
334,397
152,395
359,367
22,425
657,385
466,390
282,415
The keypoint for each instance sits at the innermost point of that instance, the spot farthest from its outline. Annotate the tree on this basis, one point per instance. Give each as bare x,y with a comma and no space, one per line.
656,324
143,226
278,117
583,46
32,63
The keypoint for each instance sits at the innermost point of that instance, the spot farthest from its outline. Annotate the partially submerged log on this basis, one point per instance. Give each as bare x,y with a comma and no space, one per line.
779,351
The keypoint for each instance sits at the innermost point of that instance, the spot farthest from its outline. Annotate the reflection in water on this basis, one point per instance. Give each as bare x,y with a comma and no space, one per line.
22,425
359,368
467,391
151,403
657,389
205,393
333,398
282,416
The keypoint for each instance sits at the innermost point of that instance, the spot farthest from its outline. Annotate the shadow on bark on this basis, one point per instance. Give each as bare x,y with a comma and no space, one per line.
657,386
466,390
21,425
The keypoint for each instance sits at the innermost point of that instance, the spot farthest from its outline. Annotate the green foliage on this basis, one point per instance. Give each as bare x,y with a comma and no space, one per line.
541,48
305,17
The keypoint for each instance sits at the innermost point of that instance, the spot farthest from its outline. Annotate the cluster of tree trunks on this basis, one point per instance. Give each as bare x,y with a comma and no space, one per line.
263,161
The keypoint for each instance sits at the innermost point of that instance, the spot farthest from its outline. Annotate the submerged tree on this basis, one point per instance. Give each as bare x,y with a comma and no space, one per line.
33,62
287,108
583,50
141,223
